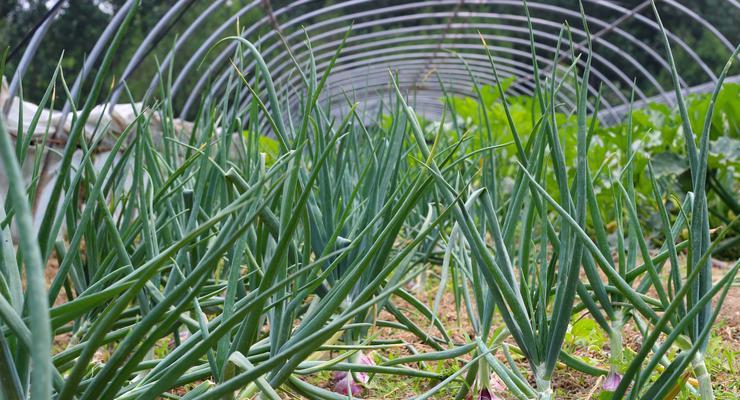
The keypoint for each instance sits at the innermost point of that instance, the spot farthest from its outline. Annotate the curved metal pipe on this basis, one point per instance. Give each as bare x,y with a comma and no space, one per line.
33,46
450,28
149,41
427,3
626,80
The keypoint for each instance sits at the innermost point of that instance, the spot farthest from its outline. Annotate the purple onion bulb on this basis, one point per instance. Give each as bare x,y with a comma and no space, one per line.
343,382
612,381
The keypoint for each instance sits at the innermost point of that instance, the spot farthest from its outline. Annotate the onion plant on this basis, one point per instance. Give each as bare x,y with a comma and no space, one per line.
521,290
198,236
518,297
200,258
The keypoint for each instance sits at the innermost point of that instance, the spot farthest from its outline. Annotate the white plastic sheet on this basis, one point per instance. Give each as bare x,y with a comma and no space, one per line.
102,121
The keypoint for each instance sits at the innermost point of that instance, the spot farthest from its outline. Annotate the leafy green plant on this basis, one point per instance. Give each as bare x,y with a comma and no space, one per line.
655,133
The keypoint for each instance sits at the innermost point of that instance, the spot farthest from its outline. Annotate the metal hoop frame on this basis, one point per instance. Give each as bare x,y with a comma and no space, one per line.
419,43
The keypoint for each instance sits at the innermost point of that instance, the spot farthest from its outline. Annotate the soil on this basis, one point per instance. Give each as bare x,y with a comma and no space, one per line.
567,383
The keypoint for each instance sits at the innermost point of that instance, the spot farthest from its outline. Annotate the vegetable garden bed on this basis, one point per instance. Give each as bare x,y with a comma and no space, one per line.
513,248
